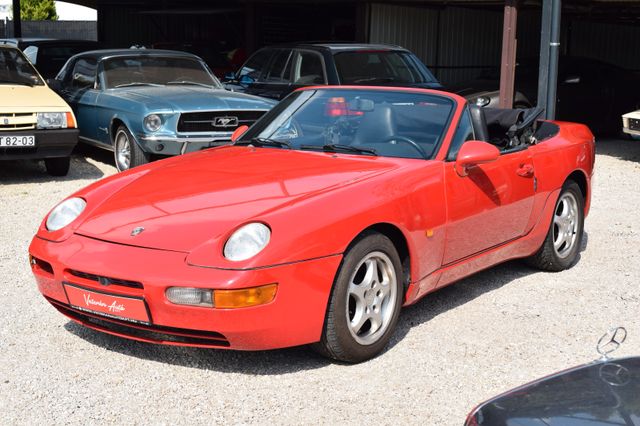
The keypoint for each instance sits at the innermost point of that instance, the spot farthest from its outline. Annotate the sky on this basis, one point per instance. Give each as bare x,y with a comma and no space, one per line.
66,11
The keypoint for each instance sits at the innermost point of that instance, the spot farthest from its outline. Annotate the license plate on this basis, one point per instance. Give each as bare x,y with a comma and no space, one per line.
17,141
119,307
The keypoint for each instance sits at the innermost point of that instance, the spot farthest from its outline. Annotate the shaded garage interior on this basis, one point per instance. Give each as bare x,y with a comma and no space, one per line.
459,40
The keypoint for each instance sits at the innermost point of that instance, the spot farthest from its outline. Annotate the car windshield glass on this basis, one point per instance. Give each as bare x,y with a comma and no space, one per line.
367,122
156,70
380,67
16,69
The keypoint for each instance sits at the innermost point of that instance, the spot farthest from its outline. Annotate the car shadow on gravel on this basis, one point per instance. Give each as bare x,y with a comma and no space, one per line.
624,149
263,363
291,360
30,171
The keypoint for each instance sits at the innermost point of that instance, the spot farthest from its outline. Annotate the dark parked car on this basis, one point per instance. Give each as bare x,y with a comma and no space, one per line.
142,103
49,55
602,393
589,91
274,72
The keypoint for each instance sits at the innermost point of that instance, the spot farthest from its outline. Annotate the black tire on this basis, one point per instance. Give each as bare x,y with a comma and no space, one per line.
551,257
57,166
338,340
135,157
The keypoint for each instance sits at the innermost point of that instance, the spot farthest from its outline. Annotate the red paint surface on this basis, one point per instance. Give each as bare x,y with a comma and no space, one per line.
316,204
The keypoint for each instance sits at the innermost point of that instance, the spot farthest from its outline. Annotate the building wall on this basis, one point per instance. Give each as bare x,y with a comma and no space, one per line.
74,30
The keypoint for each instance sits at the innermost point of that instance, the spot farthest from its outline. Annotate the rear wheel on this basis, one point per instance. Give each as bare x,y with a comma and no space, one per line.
564,238
57,166
365,301
126,152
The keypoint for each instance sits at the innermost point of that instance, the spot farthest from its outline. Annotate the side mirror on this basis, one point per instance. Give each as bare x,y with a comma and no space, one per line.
239,132
245,80
83,80
572,79
473,153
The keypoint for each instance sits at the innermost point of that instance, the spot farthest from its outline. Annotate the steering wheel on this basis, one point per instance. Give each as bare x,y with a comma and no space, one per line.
409,141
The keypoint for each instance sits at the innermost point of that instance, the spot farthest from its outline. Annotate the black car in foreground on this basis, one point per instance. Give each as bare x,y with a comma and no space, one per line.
604,392
276,71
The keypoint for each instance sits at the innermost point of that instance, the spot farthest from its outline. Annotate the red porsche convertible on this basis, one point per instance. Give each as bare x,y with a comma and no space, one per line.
337,208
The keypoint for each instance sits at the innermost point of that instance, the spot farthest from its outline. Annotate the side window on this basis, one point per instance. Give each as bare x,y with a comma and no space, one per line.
309,69
84,74
31,52
256,64
279,70
464,133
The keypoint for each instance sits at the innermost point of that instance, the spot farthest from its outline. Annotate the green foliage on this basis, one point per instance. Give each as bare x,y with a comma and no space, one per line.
38,10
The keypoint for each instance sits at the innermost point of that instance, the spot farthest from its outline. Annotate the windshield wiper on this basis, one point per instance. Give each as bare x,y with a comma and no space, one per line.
376,79
265,142
194,83
138,83
335,147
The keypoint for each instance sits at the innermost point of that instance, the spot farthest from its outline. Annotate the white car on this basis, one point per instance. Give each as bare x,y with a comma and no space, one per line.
631,124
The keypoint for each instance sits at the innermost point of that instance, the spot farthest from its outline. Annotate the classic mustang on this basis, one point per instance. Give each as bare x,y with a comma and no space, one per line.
145,103
338,207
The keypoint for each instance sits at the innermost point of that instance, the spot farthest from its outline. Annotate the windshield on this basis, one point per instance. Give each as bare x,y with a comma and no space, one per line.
154,70
16,69
367,122
379,67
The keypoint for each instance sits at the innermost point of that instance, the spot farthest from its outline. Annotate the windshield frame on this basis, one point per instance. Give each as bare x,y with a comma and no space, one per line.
37,81
273,119
104,60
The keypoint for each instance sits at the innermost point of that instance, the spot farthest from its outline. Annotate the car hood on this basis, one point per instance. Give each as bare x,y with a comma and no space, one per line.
191,98
20,98
601,393
186,201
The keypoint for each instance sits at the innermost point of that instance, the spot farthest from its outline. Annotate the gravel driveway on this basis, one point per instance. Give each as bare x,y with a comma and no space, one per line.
457,347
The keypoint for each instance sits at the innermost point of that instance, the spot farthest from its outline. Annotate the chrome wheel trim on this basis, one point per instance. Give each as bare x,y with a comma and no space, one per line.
565,225
371,298
122,151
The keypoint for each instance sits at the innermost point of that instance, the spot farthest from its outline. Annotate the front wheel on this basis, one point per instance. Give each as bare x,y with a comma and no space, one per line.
365,301
126,152
564,238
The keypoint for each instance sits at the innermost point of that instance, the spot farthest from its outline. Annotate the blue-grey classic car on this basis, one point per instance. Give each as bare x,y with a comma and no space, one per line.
145,104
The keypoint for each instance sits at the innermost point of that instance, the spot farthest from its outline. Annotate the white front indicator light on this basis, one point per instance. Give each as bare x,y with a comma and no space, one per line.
52,120
65,213
190,296
152,122
247,241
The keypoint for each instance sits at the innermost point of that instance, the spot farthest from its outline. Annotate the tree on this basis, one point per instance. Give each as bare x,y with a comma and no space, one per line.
38,10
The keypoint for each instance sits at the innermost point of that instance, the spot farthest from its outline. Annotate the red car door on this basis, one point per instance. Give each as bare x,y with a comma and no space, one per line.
488,207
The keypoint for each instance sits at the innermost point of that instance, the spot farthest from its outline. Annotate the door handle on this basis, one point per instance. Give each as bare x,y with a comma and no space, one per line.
525,170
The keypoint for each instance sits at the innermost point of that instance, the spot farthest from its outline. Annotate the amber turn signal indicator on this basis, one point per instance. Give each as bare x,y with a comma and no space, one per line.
71,123
244,298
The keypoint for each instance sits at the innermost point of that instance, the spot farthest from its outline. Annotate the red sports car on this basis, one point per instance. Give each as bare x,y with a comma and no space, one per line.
337,208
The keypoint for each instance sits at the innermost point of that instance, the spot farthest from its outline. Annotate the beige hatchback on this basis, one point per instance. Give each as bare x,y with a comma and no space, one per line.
35,123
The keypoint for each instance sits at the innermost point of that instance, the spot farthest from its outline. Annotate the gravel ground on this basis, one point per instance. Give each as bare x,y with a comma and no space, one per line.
488,333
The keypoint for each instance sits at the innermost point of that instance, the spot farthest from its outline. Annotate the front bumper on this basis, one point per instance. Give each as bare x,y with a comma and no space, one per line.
176,145
51,143
294,317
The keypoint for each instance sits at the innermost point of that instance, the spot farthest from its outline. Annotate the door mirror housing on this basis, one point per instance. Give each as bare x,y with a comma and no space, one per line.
473,153
237,134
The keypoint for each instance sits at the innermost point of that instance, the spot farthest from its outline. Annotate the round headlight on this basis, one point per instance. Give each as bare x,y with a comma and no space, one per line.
247,241
483,101
65,213
152,122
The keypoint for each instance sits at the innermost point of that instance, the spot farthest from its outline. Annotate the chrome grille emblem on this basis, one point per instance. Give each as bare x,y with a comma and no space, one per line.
225,121
137,231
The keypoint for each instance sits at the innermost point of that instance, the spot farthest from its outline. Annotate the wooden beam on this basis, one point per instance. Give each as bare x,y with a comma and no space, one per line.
509,46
